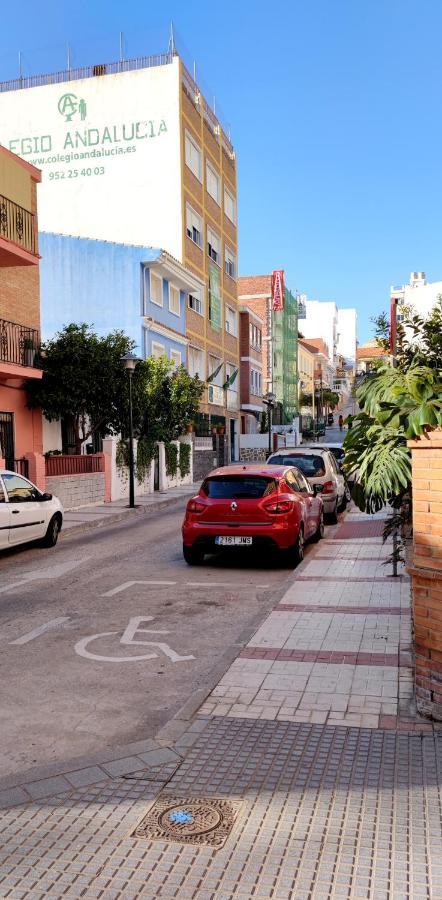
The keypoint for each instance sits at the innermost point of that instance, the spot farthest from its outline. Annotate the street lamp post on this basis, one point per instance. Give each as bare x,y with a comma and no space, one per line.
269,399
129,361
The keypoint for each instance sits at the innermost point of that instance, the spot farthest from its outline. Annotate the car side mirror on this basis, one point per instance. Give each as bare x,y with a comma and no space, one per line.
46,496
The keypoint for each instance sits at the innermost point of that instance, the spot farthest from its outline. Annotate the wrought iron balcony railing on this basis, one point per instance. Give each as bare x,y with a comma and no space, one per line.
17,224
18,343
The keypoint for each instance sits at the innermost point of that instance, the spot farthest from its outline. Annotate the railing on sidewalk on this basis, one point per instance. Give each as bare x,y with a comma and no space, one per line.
74,465
17,224
18,343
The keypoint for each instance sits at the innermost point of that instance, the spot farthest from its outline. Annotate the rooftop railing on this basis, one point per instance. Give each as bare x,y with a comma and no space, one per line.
123,65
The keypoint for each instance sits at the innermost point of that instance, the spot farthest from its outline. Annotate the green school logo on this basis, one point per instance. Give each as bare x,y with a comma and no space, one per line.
69,105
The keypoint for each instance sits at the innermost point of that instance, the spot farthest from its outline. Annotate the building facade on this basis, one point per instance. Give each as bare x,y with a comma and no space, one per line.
132,153
307,354
20,428
251,380
280,343
347,340
419,295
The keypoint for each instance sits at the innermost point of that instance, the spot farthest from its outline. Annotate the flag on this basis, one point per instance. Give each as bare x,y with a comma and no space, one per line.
230,380
214,374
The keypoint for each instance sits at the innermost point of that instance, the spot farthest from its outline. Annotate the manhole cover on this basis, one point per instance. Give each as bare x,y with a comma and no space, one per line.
190,820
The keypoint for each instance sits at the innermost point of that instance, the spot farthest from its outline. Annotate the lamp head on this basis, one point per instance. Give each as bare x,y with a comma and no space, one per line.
129,361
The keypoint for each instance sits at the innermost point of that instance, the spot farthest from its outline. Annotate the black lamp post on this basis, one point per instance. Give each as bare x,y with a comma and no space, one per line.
129,361
269,399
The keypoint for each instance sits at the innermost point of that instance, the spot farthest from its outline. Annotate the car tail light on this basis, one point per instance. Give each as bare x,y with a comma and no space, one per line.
328,487
278,506
195,506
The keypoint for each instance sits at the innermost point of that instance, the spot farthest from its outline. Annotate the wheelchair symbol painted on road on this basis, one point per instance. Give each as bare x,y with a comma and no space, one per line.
129,639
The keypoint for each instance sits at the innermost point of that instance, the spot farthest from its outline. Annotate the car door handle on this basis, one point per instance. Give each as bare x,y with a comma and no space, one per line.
15,512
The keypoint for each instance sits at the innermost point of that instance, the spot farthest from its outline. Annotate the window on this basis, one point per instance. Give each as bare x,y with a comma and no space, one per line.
175,356
214,365
244,487
229,206
255,337
255,382
231,321
196,303
229,262
156,289
194,226
213,245
18,489
212,183
174,300
193,156
158,349
195,363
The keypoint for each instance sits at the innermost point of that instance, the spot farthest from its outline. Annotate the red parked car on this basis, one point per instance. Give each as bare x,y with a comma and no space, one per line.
258,506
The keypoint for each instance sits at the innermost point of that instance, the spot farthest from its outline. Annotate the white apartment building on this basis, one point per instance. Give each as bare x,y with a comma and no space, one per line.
420,295
347,336
321,321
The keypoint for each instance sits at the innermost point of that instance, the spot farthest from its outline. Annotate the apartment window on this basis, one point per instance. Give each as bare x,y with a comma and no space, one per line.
213,245
156,289
193,156
194,226
255,337
195,363
212,183
214,364
230,262
231,321
175,356
196,303
158,349
174,300
229,206
255,382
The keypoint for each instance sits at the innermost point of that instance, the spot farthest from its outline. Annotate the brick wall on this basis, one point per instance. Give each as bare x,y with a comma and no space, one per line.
426,571
77,490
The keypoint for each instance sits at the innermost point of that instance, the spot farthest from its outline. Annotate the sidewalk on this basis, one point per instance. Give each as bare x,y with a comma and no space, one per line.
307,773
107,513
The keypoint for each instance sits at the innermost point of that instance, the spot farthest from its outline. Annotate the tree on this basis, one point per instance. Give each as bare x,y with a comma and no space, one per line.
306,399
330,399
83,381
168,399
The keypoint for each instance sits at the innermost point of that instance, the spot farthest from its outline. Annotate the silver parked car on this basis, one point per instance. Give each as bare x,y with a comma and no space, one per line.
26,514
323,473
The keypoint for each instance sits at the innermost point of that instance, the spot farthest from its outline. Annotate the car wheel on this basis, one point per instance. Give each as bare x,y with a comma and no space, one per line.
51,537
193,556
298,549
343,505
333,516
319,533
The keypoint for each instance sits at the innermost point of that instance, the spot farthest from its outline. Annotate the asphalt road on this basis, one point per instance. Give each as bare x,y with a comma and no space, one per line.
79,673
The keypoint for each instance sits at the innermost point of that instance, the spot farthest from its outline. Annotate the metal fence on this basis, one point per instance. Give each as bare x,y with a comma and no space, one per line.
74,465
18,343
21,466
123,65
17,224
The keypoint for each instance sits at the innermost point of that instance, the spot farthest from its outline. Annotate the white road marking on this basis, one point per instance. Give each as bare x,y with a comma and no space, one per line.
55,571
129,584
36,632
128,639
225,584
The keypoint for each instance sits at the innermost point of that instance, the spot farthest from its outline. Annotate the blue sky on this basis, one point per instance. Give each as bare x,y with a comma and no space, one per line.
334,109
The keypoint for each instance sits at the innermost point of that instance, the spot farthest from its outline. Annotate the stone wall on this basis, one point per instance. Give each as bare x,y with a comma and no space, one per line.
426,571
253,454
203,463
77,490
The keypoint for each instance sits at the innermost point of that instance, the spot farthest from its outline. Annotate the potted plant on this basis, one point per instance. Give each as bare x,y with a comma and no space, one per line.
29,351
221,429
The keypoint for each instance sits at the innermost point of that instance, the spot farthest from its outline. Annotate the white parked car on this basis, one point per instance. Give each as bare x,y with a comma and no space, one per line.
26,514
322,472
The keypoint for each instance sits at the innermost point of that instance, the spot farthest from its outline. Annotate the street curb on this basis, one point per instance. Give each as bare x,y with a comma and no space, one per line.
112,519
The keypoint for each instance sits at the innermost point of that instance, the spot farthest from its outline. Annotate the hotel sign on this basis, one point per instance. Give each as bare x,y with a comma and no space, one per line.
278,290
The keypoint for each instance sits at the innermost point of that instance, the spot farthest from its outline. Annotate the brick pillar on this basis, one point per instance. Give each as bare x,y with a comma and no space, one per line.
426,570
107,469
37,469
2,463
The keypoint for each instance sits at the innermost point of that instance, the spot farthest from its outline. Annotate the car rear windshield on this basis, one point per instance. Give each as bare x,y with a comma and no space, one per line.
311,466
238,487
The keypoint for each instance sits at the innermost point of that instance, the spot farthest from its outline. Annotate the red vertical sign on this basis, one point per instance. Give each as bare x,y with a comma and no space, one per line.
278,289
393,325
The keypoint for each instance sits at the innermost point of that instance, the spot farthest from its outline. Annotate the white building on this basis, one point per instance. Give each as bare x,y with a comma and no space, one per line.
420,295
321,321
347,336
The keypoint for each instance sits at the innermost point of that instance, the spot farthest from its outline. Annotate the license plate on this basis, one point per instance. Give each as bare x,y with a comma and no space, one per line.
229,540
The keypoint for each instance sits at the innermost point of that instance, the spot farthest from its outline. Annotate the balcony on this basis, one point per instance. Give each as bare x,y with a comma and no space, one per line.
19,345
18,245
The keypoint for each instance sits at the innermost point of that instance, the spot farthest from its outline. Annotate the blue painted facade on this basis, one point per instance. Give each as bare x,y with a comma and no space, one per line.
107,285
